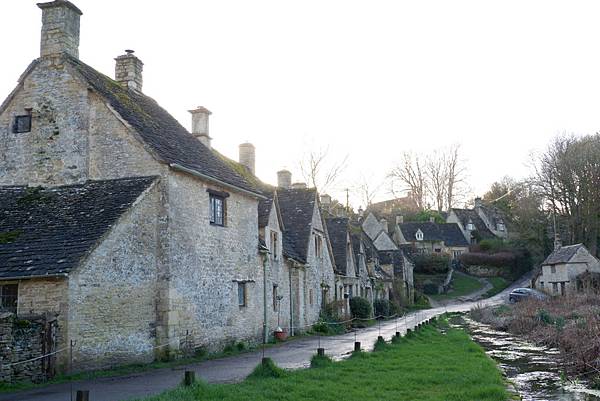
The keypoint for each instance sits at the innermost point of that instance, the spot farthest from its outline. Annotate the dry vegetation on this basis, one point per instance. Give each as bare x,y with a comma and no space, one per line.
571,324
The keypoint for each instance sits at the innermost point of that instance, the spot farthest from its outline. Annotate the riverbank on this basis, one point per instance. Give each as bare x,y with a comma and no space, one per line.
420,366
569,324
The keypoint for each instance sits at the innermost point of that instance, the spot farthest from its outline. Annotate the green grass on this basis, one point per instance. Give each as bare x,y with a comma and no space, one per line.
499,284
431,365
461,285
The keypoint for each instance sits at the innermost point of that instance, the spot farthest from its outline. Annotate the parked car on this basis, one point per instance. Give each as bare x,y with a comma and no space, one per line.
519,294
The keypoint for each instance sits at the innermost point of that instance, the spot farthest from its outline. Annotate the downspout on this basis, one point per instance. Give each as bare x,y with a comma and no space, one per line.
291,302
265,259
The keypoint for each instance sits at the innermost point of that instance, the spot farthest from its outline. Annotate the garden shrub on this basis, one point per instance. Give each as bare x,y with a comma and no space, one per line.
382,307
430,288
431,264
360,307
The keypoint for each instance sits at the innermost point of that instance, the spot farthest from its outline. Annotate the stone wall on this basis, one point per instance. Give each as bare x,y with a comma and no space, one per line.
23,339
488,271
206,263
55,151
114,295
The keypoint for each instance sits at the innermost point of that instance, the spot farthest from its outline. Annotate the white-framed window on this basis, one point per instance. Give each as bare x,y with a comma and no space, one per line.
470,226
419,235
500,226
217,210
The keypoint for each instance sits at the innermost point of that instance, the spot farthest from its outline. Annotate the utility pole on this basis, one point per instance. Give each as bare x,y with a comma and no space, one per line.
347,201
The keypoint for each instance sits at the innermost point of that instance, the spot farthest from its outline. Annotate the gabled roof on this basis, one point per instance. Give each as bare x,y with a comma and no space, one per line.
464,215
49,232
161,132
297,208
337,229
452,235
563,254
431,231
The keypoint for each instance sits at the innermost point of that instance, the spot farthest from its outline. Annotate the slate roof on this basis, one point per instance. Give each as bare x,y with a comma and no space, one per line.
297,208
465,214
394,258
562,254
431,231
452,235
160,131
49,232
337,228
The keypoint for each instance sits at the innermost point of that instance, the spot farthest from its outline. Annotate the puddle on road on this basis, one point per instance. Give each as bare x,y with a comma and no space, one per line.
534,370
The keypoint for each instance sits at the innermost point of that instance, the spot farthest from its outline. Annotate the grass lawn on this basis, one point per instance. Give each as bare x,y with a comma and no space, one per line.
499,284
461,285
426,366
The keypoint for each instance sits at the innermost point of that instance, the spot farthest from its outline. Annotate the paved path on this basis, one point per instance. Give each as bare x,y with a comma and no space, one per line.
293,355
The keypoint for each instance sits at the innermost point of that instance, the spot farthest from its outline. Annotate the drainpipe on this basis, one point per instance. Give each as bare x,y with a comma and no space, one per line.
265,259
291,302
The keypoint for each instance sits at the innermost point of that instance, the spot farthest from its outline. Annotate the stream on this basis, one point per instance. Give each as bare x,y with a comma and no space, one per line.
534,370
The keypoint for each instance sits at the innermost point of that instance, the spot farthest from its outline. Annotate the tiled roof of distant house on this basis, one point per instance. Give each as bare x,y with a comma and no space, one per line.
160,131
297,208
452,235
464,215
337,228
563,254
49,232
448,232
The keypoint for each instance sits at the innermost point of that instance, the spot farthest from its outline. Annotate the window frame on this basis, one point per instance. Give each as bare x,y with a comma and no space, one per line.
213,197
15,127
3,297
318,246
274,241
242,293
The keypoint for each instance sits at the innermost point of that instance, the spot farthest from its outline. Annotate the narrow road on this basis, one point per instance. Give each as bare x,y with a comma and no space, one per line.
293,355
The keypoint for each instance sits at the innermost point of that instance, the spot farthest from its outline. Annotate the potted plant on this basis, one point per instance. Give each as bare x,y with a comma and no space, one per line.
280,334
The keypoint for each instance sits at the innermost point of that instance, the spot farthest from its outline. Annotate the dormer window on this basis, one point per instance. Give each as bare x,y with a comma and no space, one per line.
500,226
470,226
419,235
22,124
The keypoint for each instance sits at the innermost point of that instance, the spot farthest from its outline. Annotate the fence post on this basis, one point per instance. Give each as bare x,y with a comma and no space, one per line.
189,378
357,346
83,395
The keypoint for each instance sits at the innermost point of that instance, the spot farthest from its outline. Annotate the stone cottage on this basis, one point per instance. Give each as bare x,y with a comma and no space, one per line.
136,233
431,237
561,271
481,222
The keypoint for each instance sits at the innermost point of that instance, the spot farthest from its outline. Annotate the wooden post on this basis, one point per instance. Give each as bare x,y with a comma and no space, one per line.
189,378
357,346
380,338
83,395
398,334
321,351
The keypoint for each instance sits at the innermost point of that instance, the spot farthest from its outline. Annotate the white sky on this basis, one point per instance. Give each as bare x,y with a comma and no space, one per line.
367,78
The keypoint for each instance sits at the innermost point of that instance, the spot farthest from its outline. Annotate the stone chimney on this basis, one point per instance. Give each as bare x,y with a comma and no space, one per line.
299,185
248,156
384,225
399,219
478,203
128,71
325,200
284,179
200,124
557,242
60,28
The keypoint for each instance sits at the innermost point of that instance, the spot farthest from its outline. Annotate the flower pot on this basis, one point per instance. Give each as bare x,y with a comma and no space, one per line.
281,335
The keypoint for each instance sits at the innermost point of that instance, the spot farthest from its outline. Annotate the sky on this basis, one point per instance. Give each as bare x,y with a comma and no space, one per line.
366,80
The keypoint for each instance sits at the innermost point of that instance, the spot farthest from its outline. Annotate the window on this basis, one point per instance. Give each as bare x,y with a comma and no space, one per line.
419,235
8,297
552,269
555,287
456,254
217,210
22,124
470,226
541,285
242,301
274,246
500,226
310,297
318,246
275,300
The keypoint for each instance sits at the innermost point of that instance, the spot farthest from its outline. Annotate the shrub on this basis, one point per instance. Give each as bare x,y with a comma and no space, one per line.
431,264
492,245
382,307
430,289
360,307
266,369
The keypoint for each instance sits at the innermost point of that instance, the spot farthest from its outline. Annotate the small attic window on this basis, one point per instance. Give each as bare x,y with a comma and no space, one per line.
22,124
470,226
501,226
419,235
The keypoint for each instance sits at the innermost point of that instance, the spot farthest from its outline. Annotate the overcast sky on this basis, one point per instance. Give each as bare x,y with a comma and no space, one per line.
368,79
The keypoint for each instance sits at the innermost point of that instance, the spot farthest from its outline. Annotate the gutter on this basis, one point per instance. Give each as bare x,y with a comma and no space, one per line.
179,167
36,276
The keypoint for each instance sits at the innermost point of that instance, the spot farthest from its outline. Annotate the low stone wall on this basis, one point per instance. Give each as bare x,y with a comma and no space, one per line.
487,271
23,339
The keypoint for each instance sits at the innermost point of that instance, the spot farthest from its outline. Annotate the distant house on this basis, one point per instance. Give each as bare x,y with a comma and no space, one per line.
562,269
431,237
481,222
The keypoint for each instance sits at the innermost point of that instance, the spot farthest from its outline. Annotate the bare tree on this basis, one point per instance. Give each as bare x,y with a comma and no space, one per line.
436,170
320,171
367,190
456,173
409,175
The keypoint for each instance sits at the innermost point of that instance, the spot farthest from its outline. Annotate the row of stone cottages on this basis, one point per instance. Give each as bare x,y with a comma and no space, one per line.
134,231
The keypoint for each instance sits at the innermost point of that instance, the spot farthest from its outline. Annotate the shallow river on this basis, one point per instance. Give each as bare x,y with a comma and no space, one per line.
534,370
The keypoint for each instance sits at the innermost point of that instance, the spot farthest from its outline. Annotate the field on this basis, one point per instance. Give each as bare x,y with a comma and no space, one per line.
436,363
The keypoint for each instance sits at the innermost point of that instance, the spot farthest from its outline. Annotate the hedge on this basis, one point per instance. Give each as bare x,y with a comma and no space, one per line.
360,307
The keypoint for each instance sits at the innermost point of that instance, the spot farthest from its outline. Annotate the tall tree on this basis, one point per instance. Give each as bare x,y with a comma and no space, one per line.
456,175
320,170
409,175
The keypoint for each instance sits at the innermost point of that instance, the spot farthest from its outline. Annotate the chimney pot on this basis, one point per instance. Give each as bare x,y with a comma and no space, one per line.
60,28
384,225
284,179
200,117
248,156
478,203
399,219
325,200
